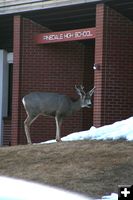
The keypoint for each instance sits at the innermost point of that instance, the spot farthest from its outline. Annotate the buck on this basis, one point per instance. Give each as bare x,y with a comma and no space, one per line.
55,105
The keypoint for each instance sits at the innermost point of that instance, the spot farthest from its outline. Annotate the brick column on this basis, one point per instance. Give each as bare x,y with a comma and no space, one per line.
97,112
16,77
113,99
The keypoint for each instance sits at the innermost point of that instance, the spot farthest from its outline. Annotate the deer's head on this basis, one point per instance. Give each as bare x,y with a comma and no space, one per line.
85,98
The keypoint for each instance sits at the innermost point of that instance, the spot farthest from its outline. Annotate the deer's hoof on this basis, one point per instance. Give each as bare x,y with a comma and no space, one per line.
29,143
58,140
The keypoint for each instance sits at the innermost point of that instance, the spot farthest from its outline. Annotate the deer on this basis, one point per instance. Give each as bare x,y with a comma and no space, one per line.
55,105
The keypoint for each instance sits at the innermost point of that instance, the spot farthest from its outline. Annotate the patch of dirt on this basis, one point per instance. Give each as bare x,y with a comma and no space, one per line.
94,168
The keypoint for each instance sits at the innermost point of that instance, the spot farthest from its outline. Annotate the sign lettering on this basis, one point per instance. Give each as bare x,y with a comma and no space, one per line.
53,37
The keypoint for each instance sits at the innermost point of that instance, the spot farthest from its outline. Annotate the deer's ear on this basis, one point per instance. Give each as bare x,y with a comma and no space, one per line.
92,91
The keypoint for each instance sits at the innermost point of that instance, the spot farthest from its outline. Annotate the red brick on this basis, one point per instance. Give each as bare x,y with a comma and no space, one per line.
55,68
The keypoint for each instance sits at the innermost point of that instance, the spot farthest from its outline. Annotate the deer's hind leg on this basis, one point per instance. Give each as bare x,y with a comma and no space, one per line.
58,121
29,120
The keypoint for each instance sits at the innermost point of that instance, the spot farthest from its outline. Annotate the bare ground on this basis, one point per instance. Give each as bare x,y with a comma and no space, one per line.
94,168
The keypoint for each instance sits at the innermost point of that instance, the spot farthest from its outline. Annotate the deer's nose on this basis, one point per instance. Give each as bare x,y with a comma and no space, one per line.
89,105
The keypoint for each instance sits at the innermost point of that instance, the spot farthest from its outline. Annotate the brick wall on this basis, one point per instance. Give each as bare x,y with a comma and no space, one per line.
88,81
114,81
7,131
58,67
53,67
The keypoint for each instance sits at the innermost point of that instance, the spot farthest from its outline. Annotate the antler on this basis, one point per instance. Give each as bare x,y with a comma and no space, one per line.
80,90
92,91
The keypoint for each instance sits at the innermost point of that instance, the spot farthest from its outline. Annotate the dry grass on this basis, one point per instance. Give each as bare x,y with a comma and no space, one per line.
95,168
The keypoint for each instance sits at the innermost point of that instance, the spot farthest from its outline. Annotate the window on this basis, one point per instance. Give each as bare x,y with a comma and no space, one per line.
10,83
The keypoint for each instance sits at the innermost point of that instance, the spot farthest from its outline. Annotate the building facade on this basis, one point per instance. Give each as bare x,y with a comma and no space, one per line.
104,61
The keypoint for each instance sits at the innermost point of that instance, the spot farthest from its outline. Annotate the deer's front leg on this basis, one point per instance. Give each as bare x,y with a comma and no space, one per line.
27,130
58,121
